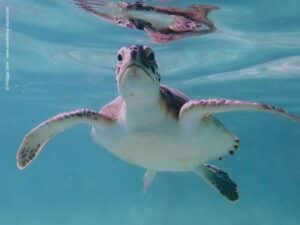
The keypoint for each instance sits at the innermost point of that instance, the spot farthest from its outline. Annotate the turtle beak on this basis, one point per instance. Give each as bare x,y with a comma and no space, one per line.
136,61
136,64
136,56
135,76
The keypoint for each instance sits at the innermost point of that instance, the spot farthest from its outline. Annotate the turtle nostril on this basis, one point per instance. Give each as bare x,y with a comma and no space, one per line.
133,54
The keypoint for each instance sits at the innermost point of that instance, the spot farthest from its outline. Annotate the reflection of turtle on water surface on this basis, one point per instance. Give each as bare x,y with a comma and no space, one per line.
162,24
154,126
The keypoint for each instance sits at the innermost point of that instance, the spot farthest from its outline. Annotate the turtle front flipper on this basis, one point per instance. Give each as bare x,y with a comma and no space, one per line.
219,180
206,107
35,140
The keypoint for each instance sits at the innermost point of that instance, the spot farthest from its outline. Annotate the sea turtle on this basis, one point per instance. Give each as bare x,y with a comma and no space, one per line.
154,126
162,24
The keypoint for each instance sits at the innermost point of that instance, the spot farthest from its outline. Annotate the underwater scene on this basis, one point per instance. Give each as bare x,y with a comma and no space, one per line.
157,112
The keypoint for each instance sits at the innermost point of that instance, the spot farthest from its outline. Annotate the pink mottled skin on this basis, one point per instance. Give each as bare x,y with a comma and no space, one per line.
191,21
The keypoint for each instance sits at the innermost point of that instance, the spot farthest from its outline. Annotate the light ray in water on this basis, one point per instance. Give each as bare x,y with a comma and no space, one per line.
288,67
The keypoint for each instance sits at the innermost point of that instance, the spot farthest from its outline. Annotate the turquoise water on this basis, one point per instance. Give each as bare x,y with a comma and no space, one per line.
63,58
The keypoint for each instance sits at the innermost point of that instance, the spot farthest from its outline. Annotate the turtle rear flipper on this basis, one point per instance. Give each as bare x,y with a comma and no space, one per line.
219,179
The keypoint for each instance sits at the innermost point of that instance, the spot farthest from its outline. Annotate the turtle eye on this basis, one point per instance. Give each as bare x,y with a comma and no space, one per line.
120,57
150,56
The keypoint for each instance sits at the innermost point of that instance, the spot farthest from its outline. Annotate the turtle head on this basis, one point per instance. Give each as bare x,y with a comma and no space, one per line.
137,72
